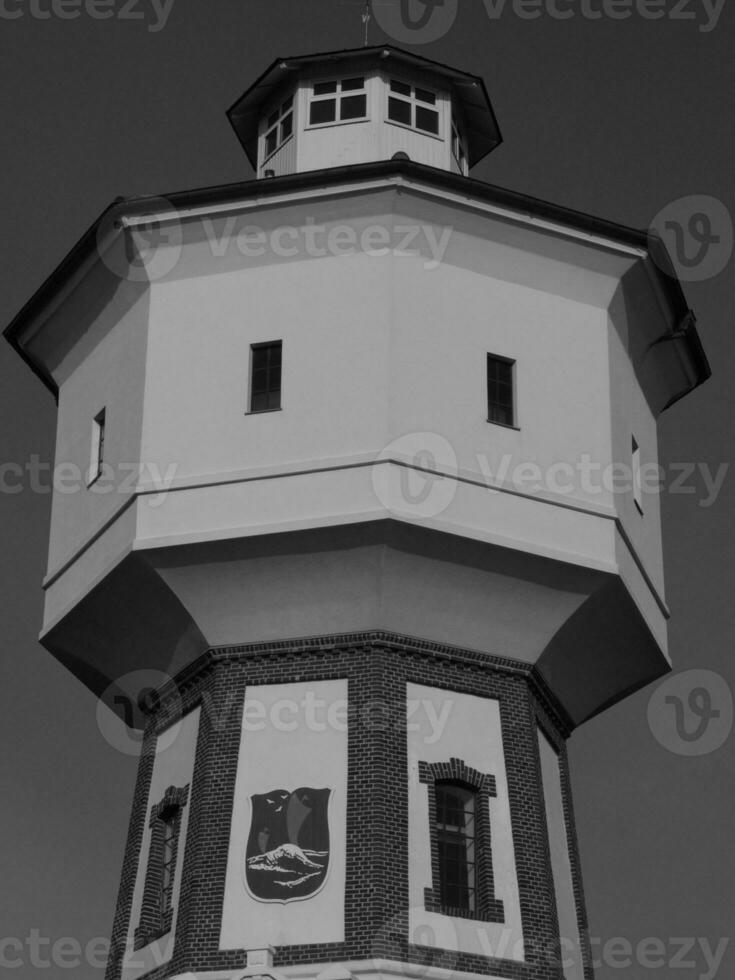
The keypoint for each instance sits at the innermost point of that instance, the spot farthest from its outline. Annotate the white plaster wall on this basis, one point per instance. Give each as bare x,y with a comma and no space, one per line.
446,725
281,749
111,376
173,766
566,905
632,417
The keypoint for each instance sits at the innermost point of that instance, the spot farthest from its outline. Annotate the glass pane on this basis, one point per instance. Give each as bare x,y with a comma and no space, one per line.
353,84
427,119
400,87
399,111
323,111
273,119
423,96
271,142
287,105
325,88
353,107
286,127
259,402
265,381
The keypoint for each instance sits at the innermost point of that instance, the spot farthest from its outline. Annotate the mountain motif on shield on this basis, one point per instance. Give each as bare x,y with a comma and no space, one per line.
287,855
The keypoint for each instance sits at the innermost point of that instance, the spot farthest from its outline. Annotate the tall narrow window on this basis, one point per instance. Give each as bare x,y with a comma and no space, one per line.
342,100
500,394
97,455
455,835
414,107
157,908
265,376
636,474
462,879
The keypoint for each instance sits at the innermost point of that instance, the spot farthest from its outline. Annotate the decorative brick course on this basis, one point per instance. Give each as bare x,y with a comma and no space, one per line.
377,666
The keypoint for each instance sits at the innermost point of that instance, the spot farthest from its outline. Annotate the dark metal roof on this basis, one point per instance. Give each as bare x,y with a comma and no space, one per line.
482,130
87,246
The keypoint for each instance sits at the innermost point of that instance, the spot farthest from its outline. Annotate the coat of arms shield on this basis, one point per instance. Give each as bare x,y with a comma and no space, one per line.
287,854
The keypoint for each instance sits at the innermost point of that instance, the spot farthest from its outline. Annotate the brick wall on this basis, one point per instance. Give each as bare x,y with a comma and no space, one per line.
377,666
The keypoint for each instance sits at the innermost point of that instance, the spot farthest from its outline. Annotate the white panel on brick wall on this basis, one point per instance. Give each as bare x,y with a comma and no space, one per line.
445,725
173,766
285,880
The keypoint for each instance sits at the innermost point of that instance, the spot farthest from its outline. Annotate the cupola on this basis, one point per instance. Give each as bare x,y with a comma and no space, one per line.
362,106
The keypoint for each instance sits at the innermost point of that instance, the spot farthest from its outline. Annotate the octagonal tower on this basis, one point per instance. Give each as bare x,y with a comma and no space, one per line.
351,438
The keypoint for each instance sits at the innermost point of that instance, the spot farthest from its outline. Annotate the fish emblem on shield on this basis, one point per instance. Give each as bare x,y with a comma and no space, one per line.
287,854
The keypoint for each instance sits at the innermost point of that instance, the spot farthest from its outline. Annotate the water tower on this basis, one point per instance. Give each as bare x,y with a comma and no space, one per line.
345,433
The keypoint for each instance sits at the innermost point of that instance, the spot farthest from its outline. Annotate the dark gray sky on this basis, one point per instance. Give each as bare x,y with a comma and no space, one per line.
614,117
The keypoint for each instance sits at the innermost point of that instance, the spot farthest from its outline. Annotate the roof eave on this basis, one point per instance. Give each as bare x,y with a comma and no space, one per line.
88,243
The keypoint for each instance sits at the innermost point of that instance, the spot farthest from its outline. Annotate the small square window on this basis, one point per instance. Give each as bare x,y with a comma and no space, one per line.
265,376
353,107
500,393
427,119
353,84
342,107
323,111
399,111
400,87
409,107
423,96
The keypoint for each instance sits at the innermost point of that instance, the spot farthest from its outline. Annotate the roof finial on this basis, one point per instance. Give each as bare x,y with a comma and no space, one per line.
366,18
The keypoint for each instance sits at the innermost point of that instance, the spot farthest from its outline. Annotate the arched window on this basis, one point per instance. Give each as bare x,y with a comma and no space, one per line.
157,907
456,840
462,881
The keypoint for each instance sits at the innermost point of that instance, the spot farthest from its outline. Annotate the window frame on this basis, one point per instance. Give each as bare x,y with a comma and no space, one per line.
482,786
254,348
97,447
415,103
635,460
461,837
162,871
280,114
513,407
338,95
